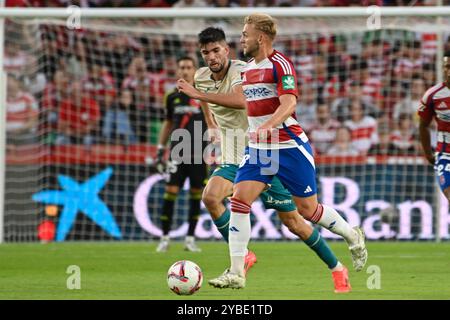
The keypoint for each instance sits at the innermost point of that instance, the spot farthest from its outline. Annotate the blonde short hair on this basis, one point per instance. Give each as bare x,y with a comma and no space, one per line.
263,22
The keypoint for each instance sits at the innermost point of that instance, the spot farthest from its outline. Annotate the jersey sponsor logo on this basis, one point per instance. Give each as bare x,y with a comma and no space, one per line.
308,189
253,93
288,82
271,200
186,109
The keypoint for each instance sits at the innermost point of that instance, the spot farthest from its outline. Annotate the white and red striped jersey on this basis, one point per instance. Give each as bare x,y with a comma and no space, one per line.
97,89
377,67
304,66
322,136
406,66
364,133
436,103
15,64
402,140
20,110
263,83
371,89
429,44
155,84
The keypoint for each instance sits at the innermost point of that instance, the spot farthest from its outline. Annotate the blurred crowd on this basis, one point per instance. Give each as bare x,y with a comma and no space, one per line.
219,3
358,95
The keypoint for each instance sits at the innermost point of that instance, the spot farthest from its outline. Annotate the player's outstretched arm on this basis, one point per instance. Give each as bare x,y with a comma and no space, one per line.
235,99
425,139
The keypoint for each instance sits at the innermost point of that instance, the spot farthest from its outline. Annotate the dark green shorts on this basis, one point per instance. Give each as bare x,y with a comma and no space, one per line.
277,197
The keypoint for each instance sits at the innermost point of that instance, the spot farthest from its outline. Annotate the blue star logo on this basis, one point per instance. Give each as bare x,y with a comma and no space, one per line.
80,197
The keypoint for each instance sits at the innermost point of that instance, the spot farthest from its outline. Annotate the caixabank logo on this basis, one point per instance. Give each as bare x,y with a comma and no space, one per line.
82,198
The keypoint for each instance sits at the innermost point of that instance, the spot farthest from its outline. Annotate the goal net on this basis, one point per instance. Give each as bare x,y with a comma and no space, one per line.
85,107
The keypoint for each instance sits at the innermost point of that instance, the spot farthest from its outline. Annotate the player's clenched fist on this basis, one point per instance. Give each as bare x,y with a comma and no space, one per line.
186,88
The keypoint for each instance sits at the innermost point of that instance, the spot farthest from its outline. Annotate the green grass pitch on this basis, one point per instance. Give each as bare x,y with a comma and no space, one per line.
285,270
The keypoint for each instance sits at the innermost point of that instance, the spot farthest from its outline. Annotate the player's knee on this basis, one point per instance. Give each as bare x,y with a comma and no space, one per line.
290,223
295,224
306,211
210,200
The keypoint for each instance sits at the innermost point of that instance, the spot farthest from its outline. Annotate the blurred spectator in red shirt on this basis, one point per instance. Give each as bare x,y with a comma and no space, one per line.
363,128
99,84
118,54
15,60
342,145
22,114
148,90
404,138
79,117
341,106
322,131
377,62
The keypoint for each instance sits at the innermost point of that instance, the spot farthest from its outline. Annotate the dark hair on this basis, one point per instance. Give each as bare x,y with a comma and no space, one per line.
183,58
211,34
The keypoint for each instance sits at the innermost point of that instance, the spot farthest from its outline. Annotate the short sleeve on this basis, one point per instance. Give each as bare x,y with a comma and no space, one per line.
196,75
285,76
426,108
236,74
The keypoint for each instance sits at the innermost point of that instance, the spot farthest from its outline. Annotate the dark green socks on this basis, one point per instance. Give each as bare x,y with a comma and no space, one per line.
222,223
321,248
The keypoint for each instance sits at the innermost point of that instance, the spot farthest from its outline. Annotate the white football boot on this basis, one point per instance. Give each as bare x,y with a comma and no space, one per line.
358,250
228,280
190,245
163,245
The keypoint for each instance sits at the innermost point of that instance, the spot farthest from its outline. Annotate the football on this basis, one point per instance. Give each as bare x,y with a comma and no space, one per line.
184,277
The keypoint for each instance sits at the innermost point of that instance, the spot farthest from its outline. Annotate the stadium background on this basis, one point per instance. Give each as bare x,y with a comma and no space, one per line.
370,168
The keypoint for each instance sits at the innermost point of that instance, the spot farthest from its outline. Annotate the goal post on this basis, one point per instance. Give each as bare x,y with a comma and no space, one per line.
367,54
169,13
2,123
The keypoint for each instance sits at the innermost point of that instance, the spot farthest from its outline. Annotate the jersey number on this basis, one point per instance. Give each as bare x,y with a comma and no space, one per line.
440,169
